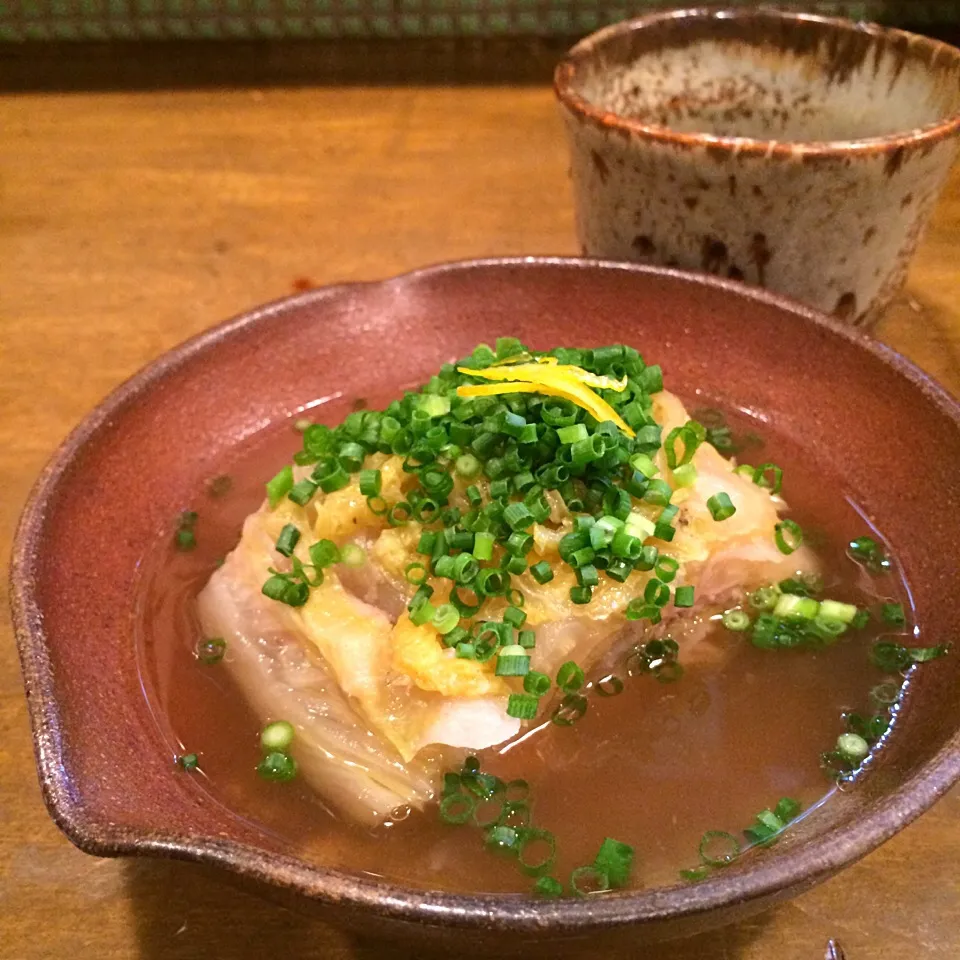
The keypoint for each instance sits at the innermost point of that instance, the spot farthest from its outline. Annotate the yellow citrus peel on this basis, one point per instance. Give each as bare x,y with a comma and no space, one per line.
545,375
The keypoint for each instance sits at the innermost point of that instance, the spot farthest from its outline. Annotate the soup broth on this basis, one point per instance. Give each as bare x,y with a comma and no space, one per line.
655,766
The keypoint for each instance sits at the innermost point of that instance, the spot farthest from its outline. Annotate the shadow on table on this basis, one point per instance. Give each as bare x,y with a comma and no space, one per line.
187,912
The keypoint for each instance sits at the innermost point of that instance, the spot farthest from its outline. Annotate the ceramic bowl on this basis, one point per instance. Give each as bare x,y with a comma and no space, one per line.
801,153
867,416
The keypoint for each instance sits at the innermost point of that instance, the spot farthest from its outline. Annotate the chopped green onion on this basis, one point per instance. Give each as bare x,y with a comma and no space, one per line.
924,654
890,657
188,761
457,808
352,555
643,464
323,553
721,506
885,694
581,594
278,767
370,483
211,650
853,747
514,616
490,583
775,483
587,880
570,677
765,598
445,618
736,620
685,475
277,736
542,572
615,860
788,809
658,493
287,541
415,573
512,661
639,609
301,493
790,606
788,536
527,639
666,568
609,686
483,545
285,590
522,706
570,710
834,610
573,433
893,614
423,613
280,486
656,592
185,540
518,516
536,684
468,466
683,596
719,849
548,887
537,851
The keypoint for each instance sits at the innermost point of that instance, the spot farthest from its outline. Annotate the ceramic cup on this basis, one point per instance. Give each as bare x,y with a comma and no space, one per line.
801,153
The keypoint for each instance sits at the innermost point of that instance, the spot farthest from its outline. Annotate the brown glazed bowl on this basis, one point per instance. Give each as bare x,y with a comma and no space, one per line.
864,414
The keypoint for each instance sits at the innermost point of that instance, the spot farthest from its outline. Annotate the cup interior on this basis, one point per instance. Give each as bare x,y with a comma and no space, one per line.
767,75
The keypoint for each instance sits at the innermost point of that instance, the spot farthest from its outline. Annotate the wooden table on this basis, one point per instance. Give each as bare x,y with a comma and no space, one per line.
129,221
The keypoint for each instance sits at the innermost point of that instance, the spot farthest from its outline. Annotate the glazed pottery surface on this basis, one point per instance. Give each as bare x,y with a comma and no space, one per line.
800,153
120,480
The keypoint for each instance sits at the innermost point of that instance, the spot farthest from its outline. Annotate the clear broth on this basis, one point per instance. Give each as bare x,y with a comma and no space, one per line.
655,767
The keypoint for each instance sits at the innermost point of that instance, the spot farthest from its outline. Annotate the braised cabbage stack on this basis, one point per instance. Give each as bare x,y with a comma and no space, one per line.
412,583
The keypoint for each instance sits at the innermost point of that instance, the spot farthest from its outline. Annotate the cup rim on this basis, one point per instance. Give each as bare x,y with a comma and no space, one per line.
583,51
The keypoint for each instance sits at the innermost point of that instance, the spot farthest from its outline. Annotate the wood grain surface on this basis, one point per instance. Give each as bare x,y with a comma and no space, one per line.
129,221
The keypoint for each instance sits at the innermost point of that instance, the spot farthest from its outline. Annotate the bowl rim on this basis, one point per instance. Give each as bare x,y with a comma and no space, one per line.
764,882
584,50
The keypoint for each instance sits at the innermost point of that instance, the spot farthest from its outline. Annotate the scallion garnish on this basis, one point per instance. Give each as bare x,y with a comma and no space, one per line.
569,710
736,620
718,849
868,553
893,614
353,555
287,541
548,887
615,861
570,678
522,706
587,880
277,767
280,486
721,506
211,650
277,736
185,537
788,536
775,481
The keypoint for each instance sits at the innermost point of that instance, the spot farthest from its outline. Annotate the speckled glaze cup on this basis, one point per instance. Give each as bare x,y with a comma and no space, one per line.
801,153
